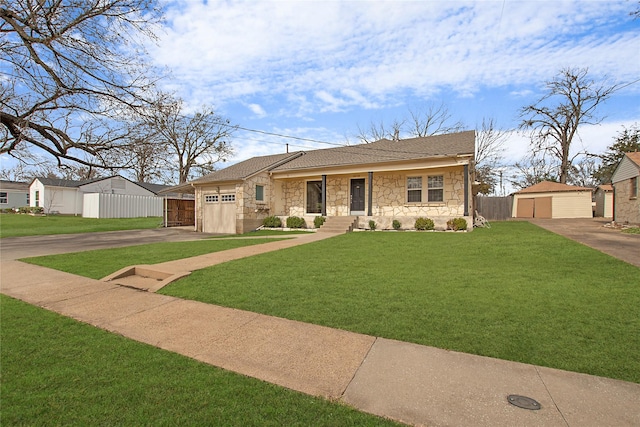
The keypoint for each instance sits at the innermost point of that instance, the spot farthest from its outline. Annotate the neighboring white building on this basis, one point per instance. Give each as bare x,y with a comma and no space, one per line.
626,184
67,197
552,200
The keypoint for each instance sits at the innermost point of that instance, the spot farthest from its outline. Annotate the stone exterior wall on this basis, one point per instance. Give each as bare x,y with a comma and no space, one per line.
389,195
626,208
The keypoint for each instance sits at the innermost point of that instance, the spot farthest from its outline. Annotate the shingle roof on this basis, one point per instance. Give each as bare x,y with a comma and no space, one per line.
606,187
551,187
245,169
14,185
154,188
384,150
59,182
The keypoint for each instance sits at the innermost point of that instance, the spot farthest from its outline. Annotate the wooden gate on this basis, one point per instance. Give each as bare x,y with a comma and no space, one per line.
180,212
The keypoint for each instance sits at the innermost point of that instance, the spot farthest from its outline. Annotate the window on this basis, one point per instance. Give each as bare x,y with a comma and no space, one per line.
4,199
634,188
211,198
37,198
314,196
260,193
414,189
435,193
228,197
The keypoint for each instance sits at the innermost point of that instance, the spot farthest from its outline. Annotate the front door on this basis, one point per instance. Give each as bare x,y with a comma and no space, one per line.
357,196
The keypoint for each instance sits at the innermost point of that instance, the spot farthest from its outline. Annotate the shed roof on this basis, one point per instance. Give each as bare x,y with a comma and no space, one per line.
384,150
551,187
605,187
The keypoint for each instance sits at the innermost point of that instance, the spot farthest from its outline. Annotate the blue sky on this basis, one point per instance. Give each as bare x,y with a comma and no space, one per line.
321,69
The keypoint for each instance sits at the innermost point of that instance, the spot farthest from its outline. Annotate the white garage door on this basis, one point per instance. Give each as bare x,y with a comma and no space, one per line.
219,213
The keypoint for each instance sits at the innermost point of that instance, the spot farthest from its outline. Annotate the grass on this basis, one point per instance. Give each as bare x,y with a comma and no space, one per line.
514,292
631,230
14,225
102,262
57,371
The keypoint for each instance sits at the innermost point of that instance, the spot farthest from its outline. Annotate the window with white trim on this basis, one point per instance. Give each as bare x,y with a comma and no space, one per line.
4,198
228,198
435,191
414,189
634,188
211,198
260,193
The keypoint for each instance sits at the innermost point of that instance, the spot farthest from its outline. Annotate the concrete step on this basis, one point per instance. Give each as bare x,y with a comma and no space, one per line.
339,224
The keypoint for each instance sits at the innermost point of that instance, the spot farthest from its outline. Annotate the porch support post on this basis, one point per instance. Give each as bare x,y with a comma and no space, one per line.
324,195
466,190
370,197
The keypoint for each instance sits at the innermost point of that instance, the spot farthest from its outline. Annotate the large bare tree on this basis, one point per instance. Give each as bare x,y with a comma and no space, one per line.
490,141
428,120
553,121
72,70
195,142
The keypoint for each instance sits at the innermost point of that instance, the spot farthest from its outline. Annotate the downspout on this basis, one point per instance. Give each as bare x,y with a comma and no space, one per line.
195,211
370,196
466,190
166,206
323,211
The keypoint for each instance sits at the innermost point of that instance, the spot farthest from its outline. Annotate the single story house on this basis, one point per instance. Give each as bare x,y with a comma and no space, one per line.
604,201
381,181
548,199
107,197
626,196
13,194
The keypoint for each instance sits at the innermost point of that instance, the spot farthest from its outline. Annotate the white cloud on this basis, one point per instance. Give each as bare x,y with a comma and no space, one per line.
257,110
377,49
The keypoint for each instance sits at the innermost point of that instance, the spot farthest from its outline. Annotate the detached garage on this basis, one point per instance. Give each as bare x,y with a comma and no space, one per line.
552,200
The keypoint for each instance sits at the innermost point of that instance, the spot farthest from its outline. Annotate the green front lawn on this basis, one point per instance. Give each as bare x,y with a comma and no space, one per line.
514,292
14,225
57,371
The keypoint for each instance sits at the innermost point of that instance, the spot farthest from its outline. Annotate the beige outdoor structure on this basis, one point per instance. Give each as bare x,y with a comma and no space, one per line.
382,181
552,200
603,197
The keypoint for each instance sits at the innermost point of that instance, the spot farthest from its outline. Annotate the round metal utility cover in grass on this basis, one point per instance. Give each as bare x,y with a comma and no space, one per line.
523,402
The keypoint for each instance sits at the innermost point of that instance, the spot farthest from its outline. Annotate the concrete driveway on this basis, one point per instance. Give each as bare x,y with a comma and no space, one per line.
21,247
593,233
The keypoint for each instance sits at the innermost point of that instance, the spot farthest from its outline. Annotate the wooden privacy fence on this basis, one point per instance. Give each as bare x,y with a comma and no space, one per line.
180,212
494,208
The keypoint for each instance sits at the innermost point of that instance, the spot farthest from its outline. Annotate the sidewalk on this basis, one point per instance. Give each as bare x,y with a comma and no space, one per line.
411,383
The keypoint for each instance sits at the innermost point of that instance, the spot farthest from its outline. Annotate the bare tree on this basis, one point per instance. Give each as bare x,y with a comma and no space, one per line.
196,141
73,69
489,155
425,121
553,121
532,169
378,131
582,172
433,120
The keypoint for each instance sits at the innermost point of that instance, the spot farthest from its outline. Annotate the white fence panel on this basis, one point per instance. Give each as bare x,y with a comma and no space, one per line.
105,205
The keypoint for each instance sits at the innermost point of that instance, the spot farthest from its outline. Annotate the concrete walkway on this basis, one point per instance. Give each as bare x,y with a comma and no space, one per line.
415,384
